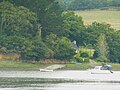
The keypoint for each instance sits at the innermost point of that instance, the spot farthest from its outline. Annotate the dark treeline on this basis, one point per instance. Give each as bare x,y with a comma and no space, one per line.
88,4
40,29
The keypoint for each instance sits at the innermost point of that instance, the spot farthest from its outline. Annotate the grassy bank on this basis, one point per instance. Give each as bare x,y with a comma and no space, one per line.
108,16
13,65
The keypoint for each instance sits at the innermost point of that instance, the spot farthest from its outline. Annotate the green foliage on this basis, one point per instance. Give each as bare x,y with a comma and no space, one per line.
90,35
79,59
102,48
114,47
84,55
40,29
92,4
115,3
15,44
18,21
101,59
20,32
72,26
62,47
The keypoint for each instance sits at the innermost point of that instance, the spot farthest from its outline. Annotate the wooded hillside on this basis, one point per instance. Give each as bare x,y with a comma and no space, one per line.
40,29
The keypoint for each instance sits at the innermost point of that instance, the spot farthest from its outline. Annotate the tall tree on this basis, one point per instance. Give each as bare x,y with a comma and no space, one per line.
89,36
72,26
16,20
48,13
102,48
61,46
114,47
20,32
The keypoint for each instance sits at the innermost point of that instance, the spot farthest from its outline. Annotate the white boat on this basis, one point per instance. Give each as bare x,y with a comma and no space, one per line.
99,70
46,70
51,68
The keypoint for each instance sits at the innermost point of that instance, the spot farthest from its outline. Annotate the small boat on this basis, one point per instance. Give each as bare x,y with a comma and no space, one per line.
100,70
46,70
51,68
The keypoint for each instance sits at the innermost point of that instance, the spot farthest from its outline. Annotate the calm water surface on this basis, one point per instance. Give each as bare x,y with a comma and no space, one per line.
58,80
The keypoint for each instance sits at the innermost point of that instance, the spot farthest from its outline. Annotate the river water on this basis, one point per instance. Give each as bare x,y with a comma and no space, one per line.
58,80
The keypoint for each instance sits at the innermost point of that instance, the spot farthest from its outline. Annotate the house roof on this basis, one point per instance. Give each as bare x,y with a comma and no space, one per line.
74,45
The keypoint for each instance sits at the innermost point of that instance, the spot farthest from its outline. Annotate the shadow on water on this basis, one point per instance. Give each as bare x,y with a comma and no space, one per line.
44,82
58,80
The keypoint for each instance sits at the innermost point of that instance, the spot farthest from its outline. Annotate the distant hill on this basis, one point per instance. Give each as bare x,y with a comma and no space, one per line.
88,4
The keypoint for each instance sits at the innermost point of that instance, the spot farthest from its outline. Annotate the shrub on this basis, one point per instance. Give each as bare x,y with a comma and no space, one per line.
84,54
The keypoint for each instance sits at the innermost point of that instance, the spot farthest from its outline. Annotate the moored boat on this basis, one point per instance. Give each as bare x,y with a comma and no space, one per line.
100,70
46,70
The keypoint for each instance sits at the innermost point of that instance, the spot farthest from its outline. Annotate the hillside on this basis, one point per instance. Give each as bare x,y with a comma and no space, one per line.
92,4
107,16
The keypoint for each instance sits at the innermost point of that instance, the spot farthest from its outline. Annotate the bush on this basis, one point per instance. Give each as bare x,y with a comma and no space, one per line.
86,59
84,54
102,59
79,59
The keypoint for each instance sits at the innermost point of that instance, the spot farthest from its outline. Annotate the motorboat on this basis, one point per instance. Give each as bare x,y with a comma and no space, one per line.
100,70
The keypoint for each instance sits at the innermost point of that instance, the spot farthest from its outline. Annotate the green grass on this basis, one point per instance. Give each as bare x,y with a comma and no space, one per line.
13,65
116,66
103,16
78,66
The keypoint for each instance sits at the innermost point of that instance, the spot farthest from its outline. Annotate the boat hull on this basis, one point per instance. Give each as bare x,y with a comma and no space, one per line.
46,70
100,72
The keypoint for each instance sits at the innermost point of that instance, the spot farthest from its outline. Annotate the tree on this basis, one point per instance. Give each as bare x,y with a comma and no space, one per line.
91,33
20,32
72,26
17,20
15,44
115,3
88,4
48,13
61,46
64,49
102,48
114,47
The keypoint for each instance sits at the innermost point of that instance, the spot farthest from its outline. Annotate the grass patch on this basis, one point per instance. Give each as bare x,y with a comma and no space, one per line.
14,65
116,66
78,66
108,16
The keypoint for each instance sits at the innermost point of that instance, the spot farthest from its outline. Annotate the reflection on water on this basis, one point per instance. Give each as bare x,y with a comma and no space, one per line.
58,80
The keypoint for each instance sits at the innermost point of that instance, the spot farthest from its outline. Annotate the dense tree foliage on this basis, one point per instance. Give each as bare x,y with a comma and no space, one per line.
72,26
18,21
90,35
19,29
40,29
48,13
62,47
102,48
90,4
114,47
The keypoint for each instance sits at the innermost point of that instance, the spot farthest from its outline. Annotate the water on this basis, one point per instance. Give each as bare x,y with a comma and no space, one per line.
58,80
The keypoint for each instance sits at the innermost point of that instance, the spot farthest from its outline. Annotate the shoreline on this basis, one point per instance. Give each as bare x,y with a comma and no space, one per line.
26,66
